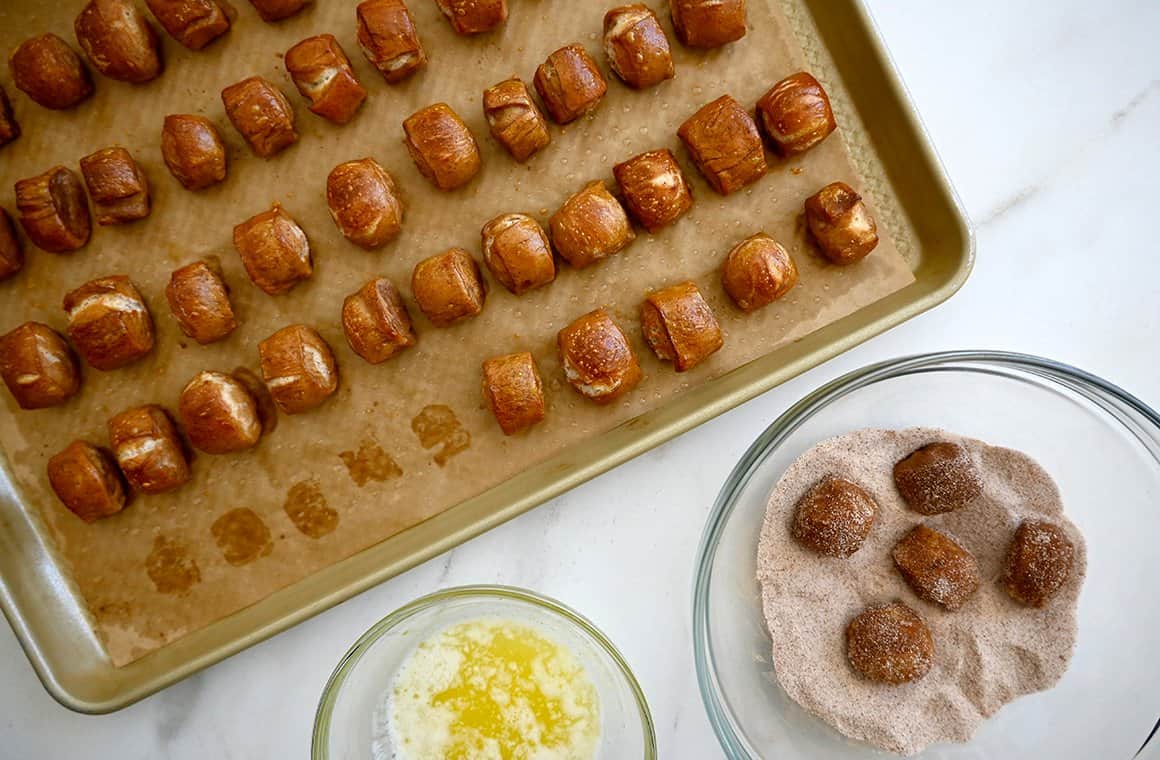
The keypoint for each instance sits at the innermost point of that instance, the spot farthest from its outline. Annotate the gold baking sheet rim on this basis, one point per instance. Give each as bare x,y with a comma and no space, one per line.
906,186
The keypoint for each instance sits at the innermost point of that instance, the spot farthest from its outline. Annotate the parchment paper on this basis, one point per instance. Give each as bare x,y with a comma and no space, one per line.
408,439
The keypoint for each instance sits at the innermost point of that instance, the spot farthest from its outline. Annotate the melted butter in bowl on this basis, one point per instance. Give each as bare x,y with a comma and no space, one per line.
493,688
483,673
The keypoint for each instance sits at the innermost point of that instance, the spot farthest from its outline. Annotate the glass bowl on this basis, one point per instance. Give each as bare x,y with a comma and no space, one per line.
352,704
1100,444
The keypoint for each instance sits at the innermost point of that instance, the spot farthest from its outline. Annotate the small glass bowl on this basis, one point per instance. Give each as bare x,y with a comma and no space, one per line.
353,702
1100,444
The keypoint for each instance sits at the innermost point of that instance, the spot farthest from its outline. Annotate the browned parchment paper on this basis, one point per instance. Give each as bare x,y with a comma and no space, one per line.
406,440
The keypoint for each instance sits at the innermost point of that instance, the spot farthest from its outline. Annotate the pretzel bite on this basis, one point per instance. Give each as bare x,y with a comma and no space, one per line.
448,287
474,16
442,146
118,41
53,210
757,272
597,358
723,141
590,226
299,368
1038,563
147,449
834,517
9,128
200,302
514,391
322,73
11,254
389,40
108,322
636,46
937,478
274,250
679,326
515,120
86,481
193,151
276,10
261,114
193,23
37,366
890,644
364,202
47,70
516,250
570,83
795,114
117,186
936,567
841,224
655,189
376,322
708,23
218,414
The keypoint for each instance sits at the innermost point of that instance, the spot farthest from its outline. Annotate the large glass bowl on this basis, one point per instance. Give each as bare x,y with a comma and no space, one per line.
1103,448
348,725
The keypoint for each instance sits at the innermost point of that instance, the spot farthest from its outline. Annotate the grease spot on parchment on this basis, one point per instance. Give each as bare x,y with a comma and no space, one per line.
369,463
437,425
241,536
307,508
170,567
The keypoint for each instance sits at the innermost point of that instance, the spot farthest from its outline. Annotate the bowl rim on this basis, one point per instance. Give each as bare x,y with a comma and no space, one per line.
350,660
1117,403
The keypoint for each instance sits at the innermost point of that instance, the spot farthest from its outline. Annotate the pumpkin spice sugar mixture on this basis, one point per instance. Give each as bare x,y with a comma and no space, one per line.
832,615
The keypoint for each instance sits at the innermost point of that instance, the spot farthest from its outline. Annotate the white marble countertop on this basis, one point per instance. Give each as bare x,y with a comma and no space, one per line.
1047,115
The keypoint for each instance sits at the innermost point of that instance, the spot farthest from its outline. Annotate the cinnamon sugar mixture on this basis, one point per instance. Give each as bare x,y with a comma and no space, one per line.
987,653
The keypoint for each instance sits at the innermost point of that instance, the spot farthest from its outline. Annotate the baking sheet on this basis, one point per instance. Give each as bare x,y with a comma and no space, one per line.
408,439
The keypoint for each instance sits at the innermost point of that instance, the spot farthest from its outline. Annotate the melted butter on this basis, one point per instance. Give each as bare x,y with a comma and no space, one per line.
492,689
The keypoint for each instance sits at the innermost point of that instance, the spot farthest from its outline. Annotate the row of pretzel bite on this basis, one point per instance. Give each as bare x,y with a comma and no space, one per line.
120,43
110,326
